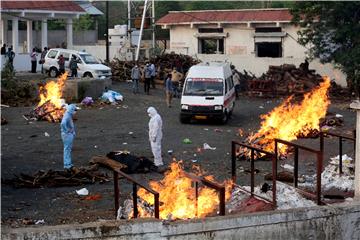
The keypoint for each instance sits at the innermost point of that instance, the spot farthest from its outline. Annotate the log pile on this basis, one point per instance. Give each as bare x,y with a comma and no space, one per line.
121,70
47,111
283,80
51,178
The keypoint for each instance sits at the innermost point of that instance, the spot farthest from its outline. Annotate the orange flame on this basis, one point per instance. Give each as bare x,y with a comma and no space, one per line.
288,120
177,196
51,93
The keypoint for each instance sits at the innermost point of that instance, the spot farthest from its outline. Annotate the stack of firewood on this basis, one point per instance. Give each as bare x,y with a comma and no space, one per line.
121,70
284,79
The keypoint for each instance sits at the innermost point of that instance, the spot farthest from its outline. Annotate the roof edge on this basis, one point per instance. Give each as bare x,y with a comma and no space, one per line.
232,10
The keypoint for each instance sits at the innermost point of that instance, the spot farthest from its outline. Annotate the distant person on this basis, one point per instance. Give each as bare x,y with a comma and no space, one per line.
304,66
135,76
236,80
153,74
61,62
33,56
147,75
169,90
178,65
11,55
73,66
42,58
3,49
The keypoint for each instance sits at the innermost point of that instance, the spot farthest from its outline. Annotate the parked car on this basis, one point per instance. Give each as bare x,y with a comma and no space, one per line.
208,92
88,65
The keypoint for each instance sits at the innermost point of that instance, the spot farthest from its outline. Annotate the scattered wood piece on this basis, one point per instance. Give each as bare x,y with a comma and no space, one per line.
283,176
51,178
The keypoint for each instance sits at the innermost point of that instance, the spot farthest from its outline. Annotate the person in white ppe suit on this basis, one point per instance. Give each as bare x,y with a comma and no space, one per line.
155,135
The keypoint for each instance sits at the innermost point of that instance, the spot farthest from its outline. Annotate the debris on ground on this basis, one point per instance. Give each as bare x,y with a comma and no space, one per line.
94,197
111,96
82,192
87,101
330,177
46,134
3,121
287,198
53,178
287,167
187,141
42,221
207,147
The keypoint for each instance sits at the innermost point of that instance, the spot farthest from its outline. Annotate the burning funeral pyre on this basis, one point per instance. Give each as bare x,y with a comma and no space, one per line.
178,197
289,120
50,107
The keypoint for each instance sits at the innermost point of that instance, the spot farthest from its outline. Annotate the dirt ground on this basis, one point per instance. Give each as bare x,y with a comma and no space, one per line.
101,129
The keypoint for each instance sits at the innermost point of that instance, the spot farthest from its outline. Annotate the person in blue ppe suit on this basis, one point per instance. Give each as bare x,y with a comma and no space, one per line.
68,134
155,135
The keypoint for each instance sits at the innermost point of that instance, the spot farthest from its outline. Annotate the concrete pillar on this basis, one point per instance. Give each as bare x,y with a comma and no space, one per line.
29,36
356,105
4,28
69,33
44,34
15,35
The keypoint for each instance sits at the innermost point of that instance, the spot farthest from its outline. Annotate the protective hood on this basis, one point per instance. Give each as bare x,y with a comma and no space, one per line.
70,109
151,111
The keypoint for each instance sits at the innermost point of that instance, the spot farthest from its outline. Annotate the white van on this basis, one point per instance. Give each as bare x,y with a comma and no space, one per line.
88,64
208,92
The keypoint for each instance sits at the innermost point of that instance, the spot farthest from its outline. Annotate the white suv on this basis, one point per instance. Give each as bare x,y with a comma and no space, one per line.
88,64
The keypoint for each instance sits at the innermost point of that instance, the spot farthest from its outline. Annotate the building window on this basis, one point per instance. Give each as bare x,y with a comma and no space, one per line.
211,46
268,29
268,49
211,30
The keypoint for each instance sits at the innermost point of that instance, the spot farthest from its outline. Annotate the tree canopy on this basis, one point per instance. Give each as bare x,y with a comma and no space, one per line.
332,32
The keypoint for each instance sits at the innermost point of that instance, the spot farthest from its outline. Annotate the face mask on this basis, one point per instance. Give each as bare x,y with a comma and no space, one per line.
149,114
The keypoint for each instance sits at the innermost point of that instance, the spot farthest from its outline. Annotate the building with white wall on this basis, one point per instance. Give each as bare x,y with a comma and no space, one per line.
251,39
32,12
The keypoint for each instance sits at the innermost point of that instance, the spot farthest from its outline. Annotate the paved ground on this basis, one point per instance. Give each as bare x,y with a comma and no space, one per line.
104,129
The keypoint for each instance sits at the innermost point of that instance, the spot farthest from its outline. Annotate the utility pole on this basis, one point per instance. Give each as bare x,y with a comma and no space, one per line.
141,31
107,31
129,21
153,23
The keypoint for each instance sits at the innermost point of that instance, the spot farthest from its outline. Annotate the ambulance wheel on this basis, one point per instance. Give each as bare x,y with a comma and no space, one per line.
184,119
224,118
232,109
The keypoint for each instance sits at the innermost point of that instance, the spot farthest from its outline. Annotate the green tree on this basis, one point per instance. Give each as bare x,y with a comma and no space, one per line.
84,22
332,31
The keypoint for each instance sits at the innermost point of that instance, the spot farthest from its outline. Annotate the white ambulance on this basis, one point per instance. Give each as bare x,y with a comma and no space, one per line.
208,92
